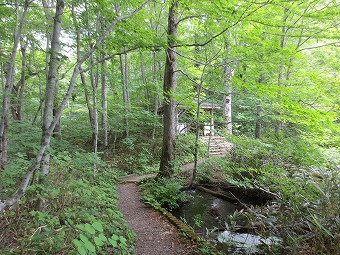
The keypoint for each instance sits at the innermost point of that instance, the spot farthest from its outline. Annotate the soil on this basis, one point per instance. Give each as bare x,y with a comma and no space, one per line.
155,235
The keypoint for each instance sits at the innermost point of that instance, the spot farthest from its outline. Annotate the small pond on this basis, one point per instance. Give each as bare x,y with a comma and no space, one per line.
205,211
207,214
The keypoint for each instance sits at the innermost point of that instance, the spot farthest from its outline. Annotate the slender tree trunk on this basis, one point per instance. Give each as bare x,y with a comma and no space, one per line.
47,135
126,97
228,74
283,42
197,134
82,75
146,91
45,161
166,168
19,89
94,83
41,96
156,93
88,99
104,106
51,88
9,86
155,68
258,126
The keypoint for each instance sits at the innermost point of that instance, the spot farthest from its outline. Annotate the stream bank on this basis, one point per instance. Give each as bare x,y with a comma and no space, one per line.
208,212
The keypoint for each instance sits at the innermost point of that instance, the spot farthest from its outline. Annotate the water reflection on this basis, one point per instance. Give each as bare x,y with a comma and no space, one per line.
207,215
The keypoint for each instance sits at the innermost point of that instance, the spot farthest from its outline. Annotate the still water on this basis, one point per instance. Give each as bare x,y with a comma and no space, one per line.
207,215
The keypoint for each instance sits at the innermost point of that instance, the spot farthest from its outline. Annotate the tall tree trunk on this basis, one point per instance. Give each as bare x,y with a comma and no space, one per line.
228,74
82,75
146,91
104,105
283,42
166,168
19,89
51,88
197,132
156,68
156,97
94,83
45,161
9,85
124,69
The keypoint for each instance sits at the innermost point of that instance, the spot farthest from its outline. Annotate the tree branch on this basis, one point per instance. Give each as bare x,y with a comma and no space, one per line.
320,46
243,16
24,184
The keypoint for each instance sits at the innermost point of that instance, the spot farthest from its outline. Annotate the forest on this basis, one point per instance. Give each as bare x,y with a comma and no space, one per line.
238,99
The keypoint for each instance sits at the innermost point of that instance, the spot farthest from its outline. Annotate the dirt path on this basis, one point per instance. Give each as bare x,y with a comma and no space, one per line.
155,235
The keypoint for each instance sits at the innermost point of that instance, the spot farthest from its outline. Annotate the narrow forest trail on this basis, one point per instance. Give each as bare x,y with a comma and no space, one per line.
155,235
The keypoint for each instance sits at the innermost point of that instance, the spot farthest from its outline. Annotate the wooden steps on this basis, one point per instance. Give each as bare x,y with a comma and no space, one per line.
218,146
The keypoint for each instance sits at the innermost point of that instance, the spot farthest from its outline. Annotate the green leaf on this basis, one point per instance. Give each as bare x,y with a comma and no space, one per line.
80,247
102,237
83,238
77,243
115,237
122,239
81,250
113,242
98,241
320,226
98,226
89,229
80,227
88,244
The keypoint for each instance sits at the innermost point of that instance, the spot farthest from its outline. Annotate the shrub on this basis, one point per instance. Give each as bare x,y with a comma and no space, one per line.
163,193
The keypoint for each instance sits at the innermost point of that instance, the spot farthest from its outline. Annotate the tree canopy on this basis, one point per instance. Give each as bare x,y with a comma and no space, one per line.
114,81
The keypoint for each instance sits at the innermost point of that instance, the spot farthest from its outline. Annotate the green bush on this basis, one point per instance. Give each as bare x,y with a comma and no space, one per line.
163,193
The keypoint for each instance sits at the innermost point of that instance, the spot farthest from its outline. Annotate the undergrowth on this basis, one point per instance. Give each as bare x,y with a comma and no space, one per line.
81,216
163,193
306,218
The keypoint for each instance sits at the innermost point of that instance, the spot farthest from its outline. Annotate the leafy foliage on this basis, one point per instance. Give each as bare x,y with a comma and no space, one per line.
73,220
163,193
284,56
305,219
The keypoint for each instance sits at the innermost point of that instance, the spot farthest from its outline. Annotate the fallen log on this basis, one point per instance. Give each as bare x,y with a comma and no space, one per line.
218,194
